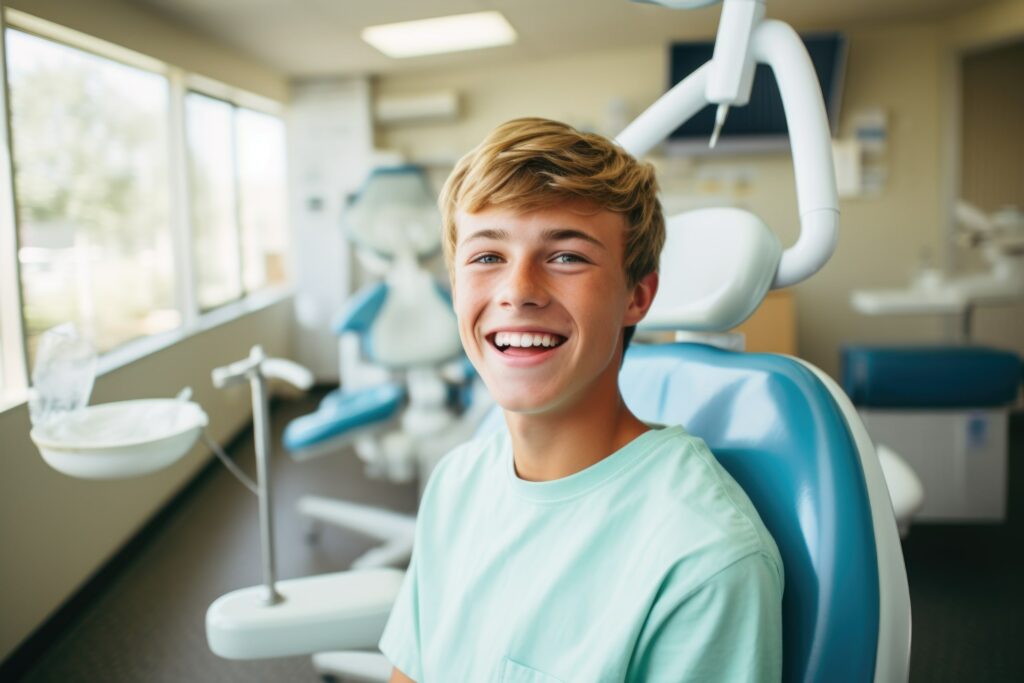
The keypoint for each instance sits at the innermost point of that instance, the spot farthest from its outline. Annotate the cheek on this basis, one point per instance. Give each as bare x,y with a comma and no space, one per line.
467,308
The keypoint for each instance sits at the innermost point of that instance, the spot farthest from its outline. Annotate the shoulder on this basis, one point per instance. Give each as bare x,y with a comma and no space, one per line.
702,516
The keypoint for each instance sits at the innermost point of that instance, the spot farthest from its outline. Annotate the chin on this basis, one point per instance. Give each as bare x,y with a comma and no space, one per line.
525,405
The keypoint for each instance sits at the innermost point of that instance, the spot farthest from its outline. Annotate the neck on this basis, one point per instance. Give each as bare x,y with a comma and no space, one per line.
559,443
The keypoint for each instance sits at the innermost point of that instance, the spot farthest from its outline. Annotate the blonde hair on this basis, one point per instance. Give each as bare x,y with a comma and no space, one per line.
533,163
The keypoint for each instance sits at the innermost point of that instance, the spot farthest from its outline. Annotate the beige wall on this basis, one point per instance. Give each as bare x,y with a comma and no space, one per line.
992,119
995,24
899,68
140,28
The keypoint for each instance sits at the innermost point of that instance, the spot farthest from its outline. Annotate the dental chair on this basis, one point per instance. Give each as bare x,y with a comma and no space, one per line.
407,395
789,436
782,428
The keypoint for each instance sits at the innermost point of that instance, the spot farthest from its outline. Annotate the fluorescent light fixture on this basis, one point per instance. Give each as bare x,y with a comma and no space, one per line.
441,34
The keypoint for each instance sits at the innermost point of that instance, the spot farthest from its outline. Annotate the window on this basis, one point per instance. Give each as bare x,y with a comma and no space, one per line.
237,169
90,150
262,179
215,235
108,232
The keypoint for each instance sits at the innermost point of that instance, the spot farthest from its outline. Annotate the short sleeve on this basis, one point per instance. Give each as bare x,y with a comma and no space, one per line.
401,641
727,629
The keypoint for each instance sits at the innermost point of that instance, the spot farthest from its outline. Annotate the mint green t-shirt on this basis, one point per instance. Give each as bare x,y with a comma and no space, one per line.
650,565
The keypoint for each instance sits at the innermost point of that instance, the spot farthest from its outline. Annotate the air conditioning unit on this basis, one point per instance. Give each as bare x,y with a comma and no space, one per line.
440,105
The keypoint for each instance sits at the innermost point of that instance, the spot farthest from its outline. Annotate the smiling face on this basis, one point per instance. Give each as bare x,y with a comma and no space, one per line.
542,300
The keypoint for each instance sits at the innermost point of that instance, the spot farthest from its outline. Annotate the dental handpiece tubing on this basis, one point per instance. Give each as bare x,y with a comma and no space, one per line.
261,432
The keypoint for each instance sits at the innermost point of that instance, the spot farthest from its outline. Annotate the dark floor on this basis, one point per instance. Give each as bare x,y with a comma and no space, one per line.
966,582
967,591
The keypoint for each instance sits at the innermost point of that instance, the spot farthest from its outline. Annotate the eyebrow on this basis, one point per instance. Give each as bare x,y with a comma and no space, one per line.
549,235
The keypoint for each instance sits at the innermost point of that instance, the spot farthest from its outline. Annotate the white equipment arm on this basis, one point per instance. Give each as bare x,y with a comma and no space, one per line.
777,45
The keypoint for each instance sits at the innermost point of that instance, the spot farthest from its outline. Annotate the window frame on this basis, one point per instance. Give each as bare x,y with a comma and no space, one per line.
236,212
14,371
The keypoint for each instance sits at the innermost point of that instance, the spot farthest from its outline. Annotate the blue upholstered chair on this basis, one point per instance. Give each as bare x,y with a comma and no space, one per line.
793,441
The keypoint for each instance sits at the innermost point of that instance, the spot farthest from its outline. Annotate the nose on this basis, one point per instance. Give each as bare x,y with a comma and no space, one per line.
523,286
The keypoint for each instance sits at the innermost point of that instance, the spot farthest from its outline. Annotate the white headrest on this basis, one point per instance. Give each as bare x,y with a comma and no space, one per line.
416,325
716,267
396,211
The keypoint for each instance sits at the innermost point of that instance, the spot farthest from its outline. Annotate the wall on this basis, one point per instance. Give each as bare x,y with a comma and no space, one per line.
56,531
330,136
992,168
990,26
899,68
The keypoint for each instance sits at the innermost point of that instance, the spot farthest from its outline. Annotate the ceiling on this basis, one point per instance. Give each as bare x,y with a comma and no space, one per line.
321,37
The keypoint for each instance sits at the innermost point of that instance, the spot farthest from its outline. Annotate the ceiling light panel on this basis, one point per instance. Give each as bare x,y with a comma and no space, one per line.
441,34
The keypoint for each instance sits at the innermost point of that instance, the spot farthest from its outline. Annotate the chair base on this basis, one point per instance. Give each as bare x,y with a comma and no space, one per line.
395,529
352,667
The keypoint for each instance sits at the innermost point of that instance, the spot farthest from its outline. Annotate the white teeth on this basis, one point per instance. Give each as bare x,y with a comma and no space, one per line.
525,339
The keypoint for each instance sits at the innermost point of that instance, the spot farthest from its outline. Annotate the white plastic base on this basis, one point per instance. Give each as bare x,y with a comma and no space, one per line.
353,667
905,488
960,457
340,611
395,529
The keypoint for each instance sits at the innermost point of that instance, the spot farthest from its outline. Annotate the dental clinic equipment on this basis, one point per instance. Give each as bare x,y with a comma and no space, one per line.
132,438
408,394
945,407
1000,239
107,441
745,38
783,428
286,617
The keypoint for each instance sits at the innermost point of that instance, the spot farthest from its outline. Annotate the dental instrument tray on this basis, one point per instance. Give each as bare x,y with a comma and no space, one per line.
122,439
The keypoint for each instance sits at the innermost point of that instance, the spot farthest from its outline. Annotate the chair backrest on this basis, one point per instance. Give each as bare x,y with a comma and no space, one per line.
777,430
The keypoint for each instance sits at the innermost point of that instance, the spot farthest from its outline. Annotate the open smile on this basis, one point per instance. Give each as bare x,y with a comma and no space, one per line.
528,344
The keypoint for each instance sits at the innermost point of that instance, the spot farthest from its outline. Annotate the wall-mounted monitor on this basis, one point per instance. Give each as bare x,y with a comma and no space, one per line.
760,126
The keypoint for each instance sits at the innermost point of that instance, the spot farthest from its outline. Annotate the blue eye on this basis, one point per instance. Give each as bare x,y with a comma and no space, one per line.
486,258
569,258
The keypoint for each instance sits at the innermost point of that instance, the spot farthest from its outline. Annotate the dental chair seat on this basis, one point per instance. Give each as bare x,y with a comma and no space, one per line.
343,413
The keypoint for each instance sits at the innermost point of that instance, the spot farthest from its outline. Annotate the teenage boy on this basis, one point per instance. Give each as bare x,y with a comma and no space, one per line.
581,544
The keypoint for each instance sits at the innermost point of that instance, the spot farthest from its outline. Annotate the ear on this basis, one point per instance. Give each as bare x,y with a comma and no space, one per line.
641,299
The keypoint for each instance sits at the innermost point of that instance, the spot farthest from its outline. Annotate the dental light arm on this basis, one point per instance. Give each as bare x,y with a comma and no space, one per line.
724,81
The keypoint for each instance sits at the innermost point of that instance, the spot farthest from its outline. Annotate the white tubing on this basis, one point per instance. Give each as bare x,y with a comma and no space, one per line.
777,45
666,114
